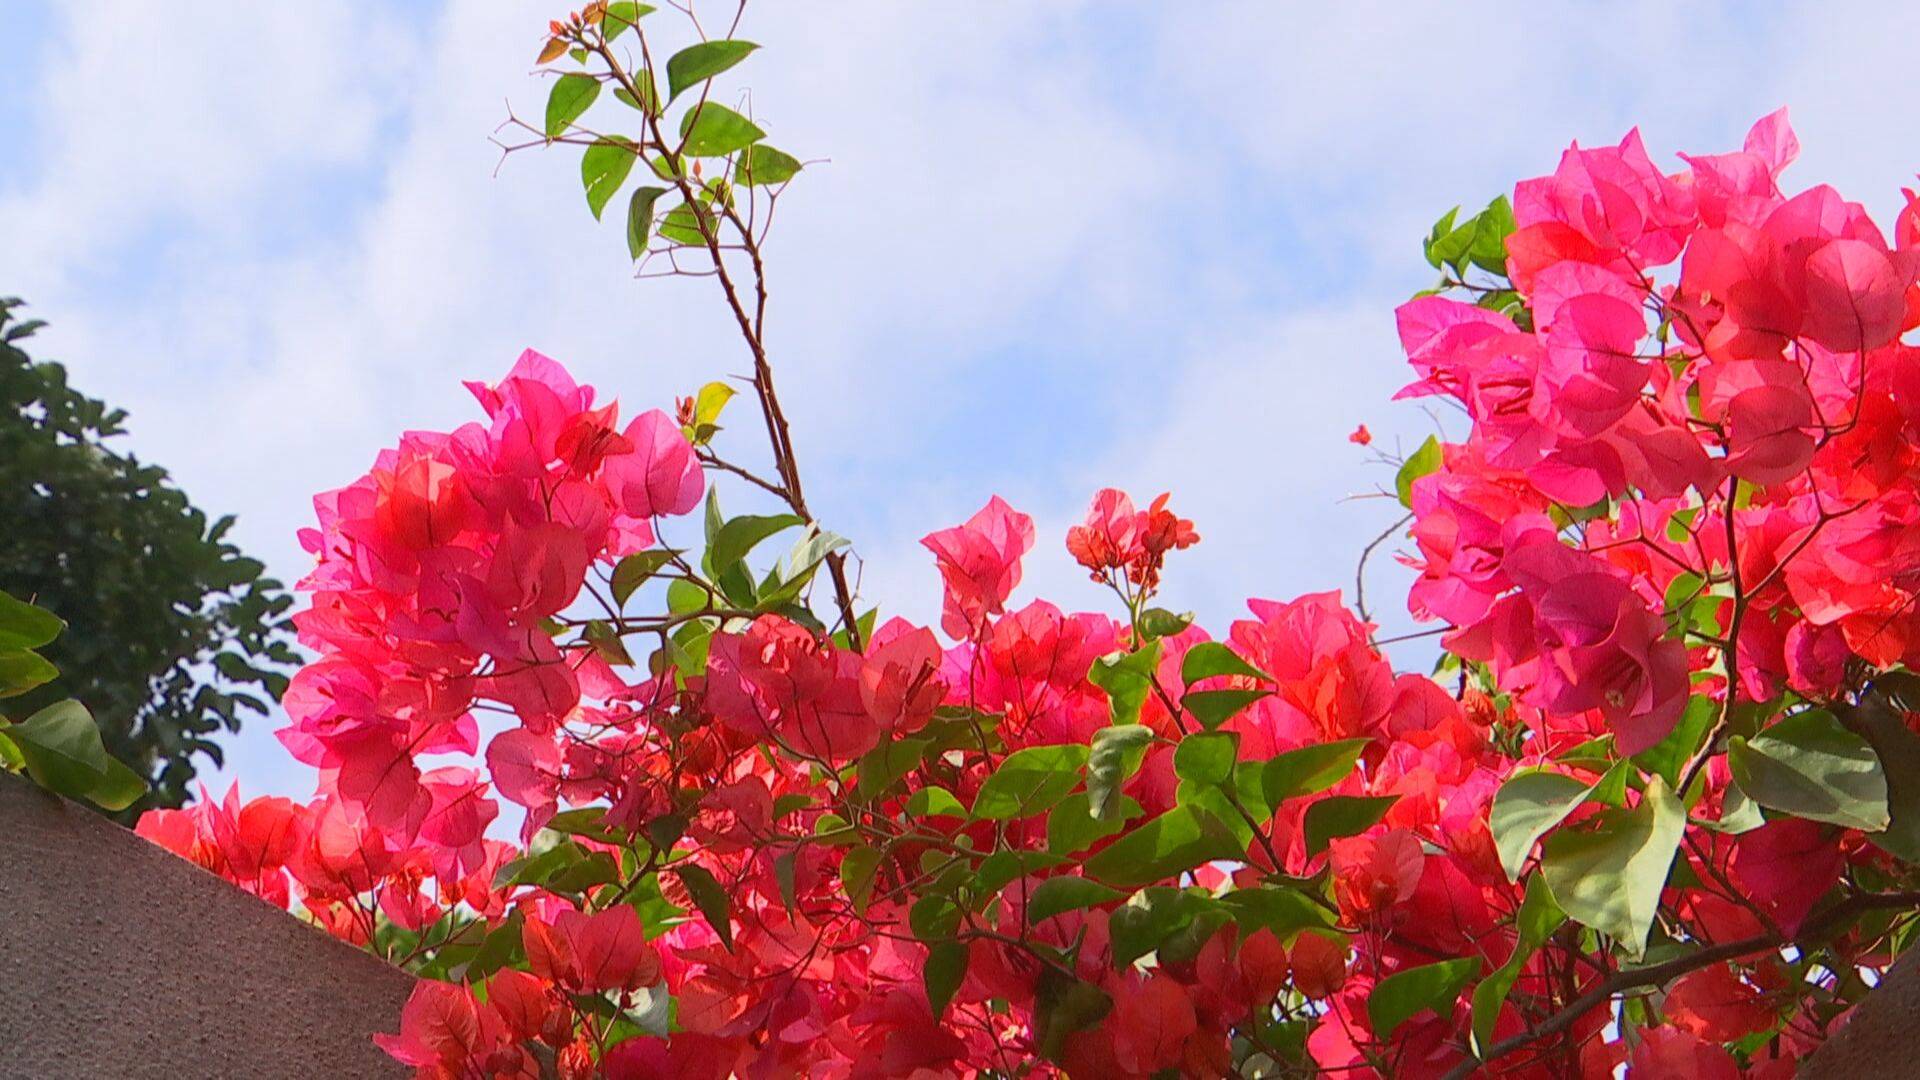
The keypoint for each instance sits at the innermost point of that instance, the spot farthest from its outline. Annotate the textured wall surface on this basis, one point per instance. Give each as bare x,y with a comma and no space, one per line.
1882,1039
118,960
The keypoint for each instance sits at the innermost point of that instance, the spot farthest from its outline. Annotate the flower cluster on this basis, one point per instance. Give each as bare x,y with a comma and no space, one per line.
1673,559
1116,539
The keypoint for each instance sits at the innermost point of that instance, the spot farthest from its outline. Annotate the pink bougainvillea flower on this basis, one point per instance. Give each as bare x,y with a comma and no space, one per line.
590,953
900,680
1110,539
661,475
980,565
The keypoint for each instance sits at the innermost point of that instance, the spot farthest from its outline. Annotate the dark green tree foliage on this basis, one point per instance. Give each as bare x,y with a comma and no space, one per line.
173,634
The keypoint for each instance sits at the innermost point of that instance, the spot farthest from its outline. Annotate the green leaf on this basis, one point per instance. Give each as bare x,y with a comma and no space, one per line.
621,16
566,866
783,875
21,671
739,536
762,165
682,225
1441,230
1211,658
1116,755
857,867
1738,812
666,830
934,801
696,64
1067,1006
1404,994
1278,908
1810,766
1206,758
1488,250
1060,894
640,218
946,969
1452,248
1127,677
1156,623
1536,921
1215,707
1609,876
24,626
1309,770
710,130
1029,781
684,597
603,168
63,753
787,578
587,821
1425,460
570,97
712,900
1243,819
1002,868
712,398
1898,749
647,102
1173,843
888,762
503,945
633,571
1526,808
1668,756
1146,921
1072,826
11,759
1343,815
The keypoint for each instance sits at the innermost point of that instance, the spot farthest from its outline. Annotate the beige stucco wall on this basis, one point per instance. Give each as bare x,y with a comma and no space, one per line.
118,960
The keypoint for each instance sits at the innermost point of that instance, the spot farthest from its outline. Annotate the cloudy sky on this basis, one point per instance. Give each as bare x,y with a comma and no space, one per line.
1058,245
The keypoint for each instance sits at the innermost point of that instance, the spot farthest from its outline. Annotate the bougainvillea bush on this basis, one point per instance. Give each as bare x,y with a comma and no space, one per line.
1657,805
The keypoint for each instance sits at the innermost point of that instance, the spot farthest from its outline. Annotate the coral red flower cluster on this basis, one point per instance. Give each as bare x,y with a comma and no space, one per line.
1116,539
1675,546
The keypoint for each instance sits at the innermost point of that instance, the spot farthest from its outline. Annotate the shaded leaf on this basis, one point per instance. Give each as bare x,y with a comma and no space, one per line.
1211,658
634,570
1809,765
1215,707
1403,994
710,898
25,626
1060,894
1535,922
946,969
1343,815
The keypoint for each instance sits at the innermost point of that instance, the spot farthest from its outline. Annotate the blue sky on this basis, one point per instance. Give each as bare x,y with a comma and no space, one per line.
1058,245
